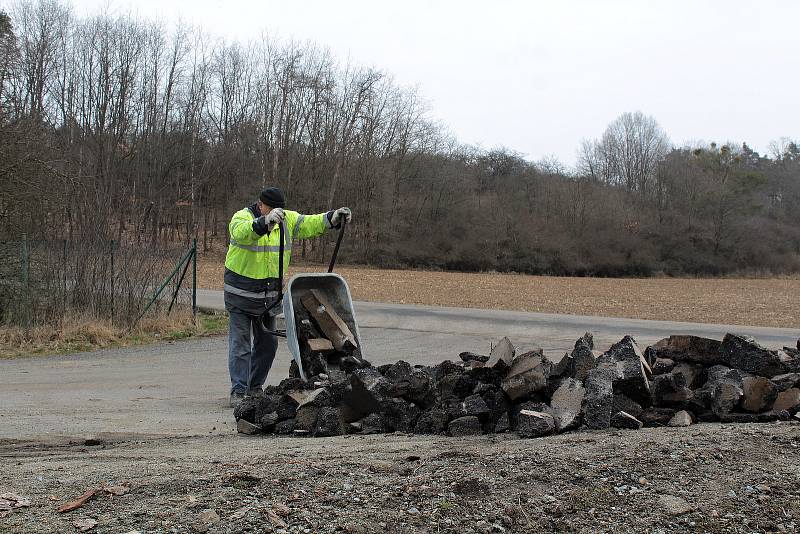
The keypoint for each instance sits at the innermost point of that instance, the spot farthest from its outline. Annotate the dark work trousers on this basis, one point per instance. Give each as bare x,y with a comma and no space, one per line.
251,351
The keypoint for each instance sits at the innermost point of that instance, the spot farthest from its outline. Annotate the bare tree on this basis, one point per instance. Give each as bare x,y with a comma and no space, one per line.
628,153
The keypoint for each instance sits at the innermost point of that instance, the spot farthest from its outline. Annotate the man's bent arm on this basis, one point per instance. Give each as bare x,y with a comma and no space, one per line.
241,229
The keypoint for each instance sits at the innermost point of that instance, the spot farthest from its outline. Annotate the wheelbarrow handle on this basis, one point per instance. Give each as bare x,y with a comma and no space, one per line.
279,299
338,244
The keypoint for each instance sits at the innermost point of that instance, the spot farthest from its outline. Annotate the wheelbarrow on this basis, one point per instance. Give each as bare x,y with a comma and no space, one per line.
330,285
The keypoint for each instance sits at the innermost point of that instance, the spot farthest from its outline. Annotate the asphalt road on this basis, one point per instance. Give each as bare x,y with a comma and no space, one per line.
181,388
553,332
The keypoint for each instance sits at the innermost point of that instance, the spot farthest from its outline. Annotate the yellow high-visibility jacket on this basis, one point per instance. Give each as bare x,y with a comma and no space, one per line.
256,256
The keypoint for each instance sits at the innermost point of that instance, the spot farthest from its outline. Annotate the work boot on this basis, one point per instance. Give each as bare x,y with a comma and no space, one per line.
236,398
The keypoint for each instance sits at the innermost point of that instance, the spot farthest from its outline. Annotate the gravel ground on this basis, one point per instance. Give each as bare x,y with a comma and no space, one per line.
734,301
705,478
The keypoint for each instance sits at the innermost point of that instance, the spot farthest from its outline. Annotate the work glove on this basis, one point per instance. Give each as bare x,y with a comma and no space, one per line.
266,223
337,216
273,217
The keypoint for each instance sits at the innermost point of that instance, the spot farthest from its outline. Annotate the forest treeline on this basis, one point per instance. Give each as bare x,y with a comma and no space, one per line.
114,127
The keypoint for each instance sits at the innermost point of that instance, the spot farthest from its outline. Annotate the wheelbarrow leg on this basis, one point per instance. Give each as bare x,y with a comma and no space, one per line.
288,315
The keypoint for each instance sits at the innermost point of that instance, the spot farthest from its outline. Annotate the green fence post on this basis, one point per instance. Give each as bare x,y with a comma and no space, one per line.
25,280
113,245
64,266
178,287
185,258
194,278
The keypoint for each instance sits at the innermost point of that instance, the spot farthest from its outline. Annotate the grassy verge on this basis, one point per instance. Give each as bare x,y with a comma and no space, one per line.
81,334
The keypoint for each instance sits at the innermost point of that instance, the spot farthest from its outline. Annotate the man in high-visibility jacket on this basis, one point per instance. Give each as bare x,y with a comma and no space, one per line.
251,280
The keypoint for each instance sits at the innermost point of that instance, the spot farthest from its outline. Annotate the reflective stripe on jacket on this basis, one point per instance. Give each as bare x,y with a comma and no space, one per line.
256,256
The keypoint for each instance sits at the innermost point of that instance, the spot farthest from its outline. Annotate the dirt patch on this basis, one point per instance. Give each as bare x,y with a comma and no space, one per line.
706,478
743,301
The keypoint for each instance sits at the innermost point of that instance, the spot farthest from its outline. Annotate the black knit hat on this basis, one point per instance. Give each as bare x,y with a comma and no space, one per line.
273,197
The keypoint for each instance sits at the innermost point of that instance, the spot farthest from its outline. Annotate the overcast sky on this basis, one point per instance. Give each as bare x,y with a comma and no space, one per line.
537,76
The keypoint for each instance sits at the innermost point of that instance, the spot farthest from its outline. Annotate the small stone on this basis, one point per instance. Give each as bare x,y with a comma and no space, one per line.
354,428
725,397
674,505
625,420
369,389
475,405
329,423
622,403
246,427
742,352
587,339
561,367
409,382
306,417
583,360
284,427
455,386
209,516
497,403
788,400
670,390
472,357
84,524
630,369
786,381
503,424
692,373
501,355
465,426
528,374
759,393
269,420
598,398
9,501
372,424
691,349
432,422
531,424
566,404
399,415
663,365
682,418
275,520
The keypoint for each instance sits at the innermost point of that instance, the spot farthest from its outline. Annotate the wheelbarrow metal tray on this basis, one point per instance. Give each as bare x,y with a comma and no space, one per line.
334,288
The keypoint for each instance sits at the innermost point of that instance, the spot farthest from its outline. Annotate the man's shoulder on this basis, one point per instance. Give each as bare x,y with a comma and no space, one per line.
244,212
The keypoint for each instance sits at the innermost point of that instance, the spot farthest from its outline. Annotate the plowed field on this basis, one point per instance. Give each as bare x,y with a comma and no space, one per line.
745,301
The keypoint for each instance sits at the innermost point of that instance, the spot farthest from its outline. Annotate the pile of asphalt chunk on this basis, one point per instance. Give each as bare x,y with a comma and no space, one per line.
679,381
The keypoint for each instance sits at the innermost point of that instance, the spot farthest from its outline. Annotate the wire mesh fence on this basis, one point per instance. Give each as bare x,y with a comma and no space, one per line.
42,281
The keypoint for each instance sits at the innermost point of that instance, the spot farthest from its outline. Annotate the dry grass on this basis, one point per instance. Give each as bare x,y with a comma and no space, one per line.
79,333
745,301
